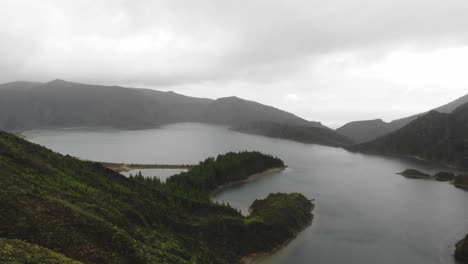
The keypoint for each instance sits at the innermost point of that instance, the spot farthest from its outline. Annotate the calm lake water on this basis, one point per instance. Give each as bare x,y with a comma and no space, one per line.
365,213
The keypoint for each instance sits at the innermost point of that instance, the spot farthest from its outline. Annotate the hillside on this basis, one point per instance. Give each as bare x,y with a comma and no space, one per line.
434,136
367,130
361,131
65,209
234,111
62,104
14,251
301,133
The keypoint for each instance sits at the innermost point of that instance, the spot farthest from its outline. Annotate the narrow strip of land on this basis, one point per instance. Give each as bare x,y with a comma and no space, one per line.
124,167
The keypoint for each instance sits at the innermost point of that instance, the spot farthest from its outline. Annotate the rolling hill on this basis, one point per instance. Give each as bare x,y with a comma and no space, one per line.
367,130
62,104
300,133
434,136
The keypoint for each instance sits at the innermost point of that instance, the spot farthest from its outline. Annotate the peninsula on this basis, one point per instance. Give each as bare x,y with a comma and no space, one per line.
63,210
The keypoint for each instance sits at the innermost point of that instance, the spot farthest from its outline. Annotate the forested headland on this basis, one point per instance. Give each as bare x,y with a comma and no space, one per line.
60,208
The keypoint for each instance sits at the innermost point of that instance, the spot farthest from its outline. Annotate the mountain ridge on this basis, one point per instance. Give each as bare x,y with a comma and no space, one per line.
59,104
434,136
367,130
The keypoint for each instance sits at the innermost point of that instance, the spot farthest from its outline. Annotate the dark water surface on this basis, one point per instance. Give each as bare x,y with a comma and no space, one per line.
365,213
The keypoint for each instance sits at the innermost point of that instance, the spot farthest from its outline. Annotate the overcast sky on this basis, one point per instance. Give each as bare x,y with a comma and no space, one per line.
332,61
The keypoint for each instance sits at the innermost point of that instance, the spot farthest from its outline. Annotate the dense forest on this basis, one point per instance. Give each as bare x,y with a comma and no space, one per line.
58,209
212,173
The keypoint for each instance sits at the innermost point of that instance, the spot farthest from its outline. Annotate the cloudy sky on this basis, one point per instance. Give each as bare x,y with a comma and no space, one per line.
334,61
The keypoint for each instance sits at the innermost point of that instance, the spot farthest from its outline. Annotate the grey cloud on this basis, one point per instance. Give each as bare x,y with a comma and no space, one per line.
220,47
224,39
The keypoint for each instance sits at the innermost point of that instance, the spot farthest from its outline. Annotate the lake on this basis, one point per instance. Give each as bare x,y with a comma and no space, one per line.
365,212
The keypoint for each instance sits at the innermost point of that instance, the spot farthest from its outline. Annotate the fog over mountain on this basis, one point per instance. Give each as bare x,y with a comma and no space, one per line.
336,61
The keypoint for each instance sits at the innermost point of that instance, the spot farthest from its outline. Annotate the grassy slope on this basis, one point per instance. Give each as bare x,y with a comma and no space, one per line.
92,214
14,251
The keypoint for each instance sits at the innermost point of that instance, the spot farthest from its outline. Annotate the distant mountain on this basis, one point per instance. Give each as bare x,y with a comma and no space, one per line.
60,104
20,85
300,133
234,111
434,136
362,131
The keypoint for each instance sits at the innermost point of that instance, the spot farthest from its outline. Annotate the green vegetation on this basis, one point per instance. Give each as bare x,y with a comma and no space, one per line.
94,215
212,173
277,212
14,251
461,250
461,181
367,130
435,137
412,173
444,176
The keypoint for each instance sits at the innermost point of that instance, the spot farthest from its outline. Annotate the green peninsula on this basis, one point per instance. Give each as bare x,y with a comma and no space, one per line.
74,210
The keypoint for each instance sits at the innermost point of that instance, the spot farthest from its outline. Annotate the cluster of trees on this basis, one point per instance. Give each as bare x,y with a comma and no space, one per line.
91,214
211,173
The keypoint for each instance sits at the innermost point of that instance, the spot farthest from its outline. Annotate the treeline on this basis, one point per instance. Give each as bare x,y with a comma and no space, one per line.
94,215
211,173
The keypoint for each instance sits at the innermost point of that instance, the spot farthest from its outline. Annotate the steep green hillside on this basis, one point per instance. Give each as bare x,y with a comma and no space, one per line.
91,214
435,137
367,130
14,251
